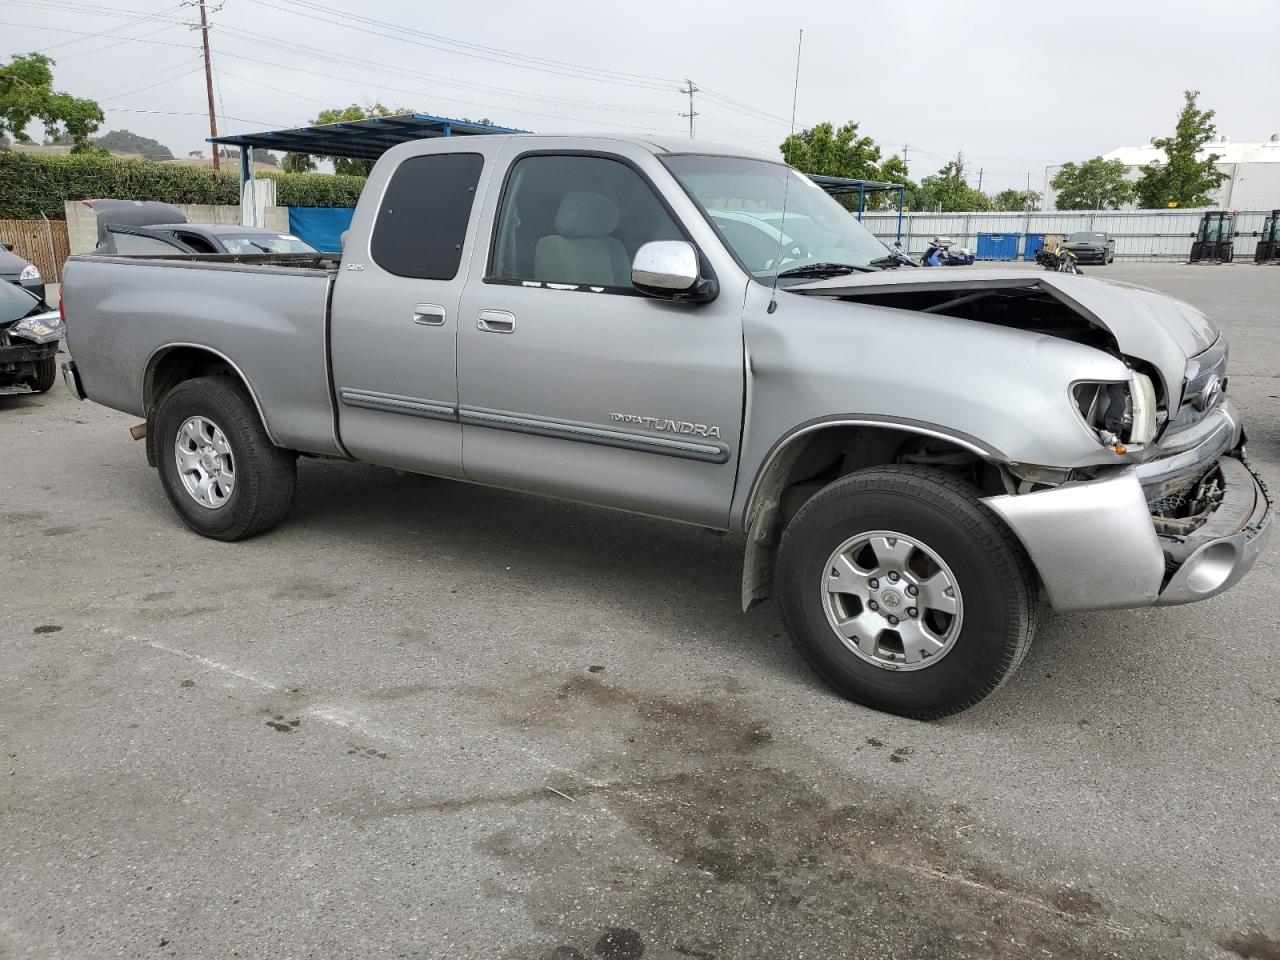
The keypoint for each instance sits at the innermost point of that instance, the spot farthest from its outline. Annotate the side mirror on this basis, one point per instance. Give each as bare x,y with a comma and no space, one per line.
670,269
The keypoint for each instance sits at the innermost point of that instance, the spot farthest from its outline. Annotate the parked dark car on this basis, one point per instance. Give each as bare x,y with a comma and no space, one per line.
29,335
13,269
1091,247
232,238
130,227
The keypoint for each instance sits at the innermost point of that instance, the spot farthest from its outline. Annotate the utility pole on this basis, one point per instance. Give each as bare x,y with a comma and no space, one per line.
208,80
691,90
905,148
1028,189
980,179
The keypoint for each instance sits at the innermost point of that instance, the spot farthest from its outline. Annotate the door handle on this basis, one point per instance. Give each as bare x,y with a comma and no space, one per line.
496,321
428,314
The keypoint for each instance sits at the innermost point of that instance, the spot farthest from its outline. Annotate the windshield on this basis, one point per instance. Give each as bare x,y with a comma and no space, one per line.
743,200
1087,238
265,243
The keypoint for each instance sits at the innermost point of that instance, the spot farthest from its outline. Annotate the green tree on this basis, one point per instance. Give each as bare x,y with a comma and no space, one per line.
829,152
1095,184
26,94
123,141
302,163
893,170
1016,200
947,190
1182,179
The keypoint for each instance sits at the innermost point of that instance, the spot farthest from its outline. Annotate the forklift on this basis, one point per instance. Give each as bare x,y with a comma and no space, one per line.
1212,242
1269,241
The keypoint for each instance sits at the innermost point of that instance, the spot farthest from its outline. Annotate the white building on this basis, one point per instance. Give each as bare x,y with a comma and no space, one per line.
1253,170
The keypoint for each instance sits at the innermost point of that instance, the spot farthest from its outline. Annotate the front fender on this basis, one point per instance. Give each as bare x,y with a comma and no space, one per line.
1003,392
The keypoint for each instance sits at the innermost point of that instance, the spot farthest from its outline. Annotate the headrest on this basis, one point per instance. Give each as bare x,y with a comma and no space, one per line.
586,214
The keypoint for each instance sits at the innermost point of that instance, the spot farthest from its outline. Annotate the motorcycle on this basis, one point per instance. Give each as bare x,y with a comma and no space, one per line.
940,254
1057,260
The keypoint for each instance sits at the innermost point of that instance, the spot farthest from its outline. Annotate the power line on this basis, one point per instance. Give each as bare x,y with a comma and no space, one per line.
479,51
124,88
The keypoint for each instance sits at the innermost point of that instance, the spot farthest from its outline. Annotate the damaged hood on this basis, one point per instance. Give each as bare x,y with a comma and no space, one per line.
1145,324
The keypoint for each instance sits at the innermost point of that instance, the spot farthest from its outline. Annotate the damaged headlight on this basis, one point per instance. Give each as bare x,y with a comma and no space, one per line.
29,272
1118,414
42,328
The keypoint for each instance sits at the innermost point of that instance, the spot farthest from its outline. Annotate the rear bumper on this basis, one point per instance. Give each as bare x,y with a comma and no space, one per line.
71,377
1096,548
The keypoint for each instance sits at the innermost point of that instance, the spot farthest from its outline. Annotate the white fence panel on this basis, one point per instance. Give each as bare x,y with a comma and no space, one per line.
1139,234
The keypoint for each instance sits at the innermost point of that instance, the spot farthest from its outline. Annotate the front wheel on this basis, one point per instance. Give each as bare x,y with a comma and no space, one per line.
905,593
220,470
45,376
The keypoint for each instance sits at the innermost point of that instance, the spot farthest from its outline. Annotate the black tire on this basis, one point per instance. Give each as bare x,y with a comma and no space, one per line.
265,475
45,377
995,579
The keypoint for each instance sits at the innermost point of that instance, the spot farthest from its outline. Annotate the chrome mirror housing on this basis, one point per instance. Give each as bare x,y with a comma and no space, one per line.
671,269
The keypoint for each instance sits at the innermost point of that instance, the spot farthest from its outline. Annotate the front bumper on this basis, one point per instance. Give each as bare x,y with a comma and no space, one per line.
1089,255
1096,548
23,352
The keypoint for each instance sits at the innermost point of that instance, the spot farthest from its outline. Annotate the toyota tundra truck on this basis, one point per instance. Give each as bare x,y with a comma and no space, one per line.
913,457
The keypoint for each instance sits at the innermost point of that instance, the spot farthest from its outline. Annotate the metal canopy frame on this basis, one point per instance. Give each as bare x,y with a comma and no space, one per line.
357,139
844,186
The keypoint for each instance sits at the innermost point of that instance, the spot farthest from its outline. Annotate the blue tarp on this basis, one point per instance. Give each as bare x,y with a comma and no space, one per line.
320,226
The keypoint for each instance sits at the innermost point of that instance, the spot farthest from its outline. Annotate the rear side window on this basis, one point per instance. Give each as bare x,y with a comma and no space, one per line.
422,221
132,244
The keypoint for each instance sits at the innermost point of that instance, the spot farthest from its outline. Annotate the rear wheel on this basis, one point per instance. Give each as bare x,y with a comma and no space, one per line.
45,376
221,472
905,593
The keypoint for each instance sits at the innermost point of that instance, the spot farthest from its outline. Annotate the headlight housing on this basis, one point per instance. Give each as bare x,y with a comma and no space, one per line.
41,328
1120,415
30,272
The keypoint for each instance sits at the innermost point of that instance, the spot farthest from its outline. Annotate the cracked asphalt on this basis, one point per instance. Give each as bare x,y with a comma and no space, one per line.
426,719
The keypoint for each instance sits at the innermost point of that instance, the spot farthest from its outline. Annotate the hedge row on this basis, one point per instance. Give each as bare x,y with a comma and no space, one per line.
32,184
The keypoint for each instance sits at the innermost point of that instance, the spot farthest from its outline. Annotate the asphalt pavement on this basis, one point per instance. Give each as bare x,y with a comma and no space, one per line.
428,719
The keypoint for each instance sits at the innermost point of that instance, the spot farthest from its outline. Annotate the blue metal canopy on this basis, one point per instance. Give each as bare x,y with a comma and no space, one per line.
360,139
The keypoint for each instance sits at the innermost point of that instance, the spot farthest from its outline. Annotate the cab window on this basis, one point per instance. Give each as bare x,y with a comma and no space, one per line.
575,220
422,220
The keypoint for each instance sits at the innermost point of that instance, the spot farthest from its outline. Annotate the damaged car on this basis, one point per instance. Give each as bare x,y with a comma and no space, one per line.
29,336
916,458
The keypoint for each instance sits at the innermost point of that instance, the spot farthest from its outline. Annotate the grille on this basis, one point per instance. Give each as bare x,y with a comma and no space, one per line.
1211,363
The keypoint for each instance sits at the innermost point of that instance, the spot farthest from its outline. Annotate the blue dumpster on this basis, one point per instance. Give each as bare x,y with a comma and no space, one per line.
998,246
1032,245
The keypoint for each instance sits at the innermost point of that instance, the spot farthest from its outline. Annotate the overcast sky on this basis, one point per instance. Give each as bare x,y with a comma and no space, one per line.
1015,85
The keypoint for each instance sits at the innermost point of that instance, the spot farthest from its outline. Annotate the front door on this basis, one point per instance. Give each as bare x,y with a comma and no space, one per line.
395,312
571,382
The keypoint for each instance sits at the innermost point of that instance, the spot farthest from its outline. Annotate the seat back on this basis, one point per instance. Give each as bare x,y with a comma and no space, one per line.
583,249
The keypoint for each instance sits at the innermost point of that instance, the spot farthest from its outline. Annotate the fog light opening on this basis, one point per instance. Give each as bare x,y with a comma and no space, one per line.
1210,568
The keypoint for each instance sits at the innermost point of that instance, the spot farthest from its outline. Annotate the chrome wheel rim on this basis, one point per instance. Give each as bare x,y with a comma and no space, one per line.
892,600
205,463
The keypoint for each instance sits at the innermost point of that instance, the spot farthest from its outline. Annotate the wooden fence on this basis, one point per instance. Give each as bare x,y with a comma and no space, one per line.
43,242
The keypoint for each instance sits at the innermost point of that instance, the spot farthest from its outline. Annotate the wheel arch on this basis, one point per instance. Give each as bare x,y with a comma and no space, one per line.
802,461
174,363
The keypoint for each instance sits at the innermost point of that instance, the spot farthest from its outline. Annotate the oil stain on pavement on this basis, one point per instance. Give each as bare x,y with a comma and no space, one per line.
714,840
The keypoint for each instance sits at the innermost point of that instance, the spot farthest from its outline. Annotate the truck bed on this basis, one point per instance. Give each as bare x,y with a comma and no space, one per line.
266,315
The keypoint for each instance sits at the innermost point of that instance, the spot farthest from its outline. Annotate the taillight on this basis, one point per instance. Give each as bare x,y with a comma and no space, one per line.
62,310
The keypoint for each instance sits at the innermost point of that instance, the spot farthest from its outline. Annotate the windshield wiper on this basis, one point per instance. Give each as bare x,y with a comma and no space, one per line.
825,270
891,262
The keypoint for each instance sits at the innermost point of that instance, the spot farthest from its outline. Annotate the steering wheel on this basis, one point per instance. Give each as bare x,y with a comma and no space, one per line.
790,254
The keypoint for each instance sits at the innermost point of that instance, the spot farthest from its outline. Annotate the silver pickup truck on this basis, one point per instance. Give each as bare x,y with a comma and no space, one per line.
678,329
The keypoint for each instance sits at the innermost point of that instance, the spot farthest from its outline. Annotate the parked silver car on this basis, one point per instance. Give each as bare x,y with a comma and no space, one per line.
914,456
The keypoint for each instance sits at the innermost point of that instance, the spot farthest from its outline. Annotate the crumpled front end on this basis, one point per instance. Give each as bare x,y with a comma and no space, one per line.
1185,524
